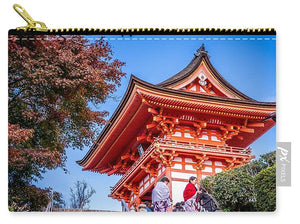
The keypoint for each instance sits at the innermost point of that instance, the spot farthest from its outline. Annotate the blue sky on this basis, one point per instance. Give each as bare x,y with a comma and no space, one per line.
247,62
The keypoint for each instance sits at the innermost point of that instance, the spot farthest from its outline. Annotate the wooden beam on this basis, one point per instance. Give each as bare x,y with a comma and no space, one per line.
117,166
148,126
141,137
125,156
112,171
256,125
248,130
156,118
152,111
105,170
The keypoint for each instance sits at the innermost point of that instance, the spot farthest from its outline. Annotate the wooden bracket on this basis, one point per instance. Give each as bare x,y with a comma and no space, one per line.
152,111
199,161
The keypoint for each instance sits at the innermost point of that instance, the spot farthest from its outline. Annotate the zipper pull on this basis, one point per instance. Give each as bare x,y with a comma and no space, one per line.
31,24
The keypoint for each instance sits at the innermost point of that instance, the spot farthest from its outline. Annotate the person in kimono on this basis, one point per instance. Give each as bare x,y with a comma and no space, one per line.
190,194
161,195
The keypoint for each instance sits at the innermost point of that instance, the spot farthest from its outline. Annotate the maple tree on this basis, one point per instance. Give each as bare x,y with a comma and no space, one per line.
55,85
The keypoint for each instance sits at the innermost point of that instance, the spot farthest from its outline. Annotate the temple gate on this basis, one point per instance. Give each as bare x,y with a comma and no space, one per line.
194,123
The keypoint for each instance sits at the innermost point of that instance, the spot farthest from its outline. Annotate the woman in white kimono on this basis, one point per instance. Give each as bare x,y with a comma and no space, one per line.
161,195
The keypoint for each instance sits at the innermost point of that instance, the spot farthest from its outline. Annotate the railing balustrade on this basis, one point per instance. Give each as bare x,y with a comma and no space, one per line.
185,145
204,147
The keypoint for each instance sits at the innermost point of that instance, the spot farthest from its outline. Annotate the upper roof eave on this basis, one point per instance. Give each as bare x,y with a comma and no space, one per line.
136,81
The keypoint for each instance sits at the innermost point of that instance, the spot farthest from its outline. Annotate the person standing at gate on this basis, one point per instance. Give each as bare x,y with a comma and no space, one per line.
161,195
190,194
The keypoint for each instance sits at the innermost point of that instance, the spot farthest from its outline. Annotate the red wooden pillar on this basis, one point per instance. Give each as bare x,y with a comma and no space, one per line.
199,174
168,175
137,202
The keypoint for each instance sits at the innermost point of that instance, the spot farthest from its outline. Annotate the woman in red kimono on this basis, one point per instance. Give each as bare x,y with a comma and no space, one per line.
189,195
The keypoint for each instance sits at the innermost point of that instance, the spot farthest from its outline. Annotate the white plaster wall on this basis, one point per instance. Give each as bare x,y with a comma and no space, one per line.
177,191
189,167
189,160
207,169
182,175
177,166
207,162
219,163
178,159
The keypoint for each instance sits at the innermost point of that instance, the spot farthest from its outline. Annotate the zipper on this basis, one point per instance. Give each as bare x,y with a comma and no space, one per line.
37,27
31,24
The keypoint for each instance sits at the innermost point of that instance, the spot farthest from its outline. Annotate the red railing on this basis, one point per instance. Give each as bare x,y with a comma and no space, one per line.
203,147
182,145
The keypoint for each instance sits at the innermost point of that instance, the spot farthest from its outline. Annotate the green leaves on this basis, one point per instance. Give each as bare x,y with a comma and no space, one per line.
251,187
233,189
265,185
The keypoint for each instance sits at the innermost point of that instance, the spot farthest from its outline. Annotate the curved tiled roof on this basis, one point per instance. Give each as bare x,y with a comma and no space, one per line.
199,56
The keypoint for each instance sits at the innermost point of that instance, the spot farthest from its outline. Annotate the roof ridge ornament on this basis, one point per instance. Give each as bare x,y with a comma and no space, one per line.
201,51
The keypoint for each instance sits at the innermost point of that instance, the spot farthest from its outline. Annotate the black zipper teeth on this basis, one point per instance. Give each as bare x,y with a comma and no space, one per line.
148,31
